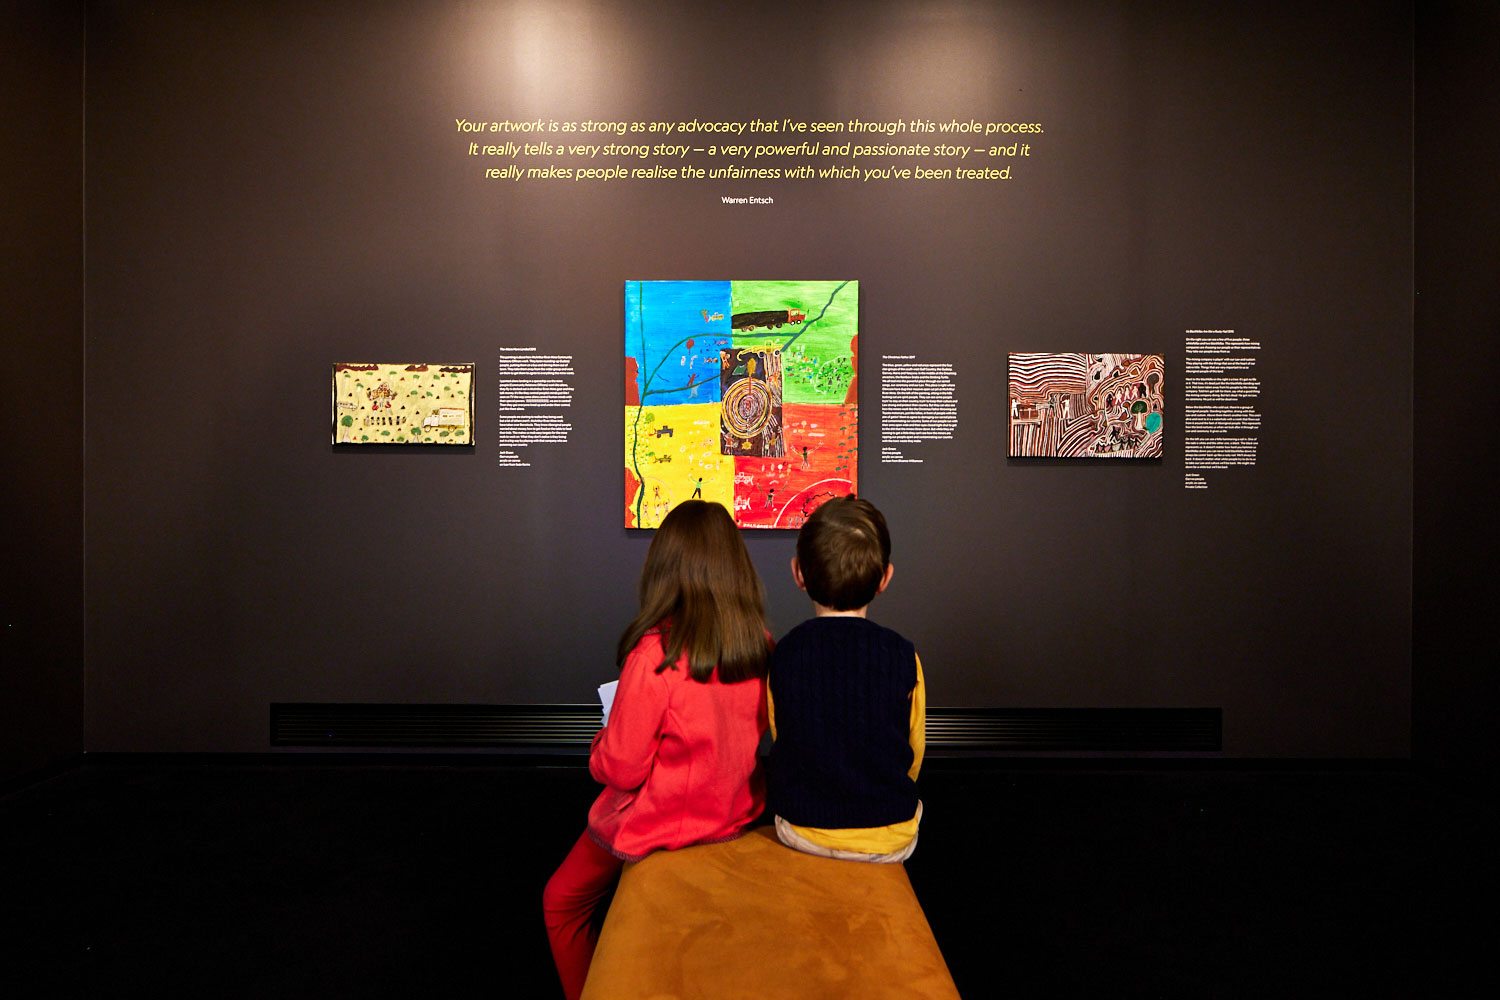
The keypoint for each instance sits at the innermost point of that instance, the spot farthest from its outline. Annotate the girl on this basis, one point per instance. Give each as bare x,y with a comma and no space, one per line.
677,756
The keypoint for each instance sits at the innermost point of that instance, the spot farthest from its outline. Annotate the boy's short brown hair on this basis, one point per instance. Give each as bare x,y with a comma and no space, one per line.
843,551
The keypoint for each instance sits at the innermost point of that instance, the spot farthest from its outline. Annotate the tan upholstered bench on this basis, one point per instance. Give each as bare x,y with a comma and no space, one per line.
751,918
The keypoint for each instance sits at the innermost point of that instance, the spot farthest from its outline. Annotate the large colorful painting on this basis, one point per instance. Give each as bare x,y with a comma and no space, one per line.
741,392
403,404
1085,405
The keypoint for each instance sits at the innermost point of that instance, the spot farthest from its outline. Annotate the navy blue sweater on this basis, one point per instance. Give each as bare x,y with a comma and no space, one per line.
840,687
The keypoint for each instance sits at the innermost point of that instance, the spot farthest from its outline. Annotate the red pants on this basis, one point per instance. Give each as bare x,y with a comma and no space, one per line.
568,903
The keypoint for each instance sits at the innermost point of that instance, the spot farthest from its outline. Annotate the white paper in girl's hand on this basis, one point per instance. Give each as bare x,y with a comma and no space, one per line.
607,697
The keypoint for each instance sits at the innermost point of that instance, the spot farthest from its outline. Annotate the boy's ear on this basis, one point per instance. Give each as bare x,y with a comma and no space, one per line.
797,574
885,581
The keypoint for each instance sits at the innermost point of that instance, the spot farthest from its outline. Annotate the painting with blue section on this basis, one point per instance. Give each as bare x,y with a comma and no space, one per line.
676,330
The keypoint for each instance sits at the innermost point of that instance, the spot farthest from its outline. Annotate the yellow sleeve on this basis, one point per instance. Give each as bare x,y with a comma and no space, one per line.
918,723
771,708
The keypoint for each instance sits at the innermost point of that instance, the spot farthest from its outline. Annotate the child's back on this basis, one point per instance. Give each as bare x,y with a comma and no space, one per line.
695,741
677,753
847,700
842,757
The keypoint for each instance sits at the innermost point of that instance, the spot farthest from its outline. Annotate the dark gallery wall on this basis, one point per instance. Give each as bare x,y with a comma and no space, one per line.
1457,317
273,187
41,288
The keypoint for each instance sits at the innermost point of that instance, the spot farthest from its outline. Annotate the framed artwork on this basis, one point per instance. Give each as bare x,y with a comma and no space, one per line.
403,404
740,392
1085,405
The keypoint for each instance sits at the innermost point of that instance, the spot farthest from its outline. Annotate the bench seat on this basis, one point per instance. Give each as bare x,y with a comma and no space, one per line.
751,918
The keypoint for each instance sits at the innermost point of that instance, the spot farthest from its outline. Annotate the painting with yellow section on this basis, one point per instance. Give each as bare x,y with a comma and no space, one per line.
676,450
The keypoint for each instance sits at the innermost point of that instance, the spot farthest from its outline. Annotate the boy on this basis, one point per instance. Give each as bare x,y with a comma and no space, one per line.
847,702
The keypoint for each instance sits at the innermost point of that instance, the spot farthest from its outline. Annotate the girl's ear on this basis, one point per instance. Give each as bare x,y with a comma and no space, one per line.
797,574
885,581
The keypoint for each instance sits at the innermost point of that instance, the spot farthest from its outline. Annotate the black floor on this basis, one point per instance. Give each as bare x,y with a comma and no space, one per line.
328,878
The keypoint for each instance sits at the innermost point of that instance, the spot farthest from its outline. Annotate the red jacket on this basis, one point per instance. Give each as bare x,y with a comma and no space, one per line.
677,757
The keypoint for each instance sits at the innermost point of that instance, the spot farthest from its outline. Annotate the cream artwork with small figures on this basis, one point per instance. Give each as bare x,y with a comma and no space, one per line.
403,404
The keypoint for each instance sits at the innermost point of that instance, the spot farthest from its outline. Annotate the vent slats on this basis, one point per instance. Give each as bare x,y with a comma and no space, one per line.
293,724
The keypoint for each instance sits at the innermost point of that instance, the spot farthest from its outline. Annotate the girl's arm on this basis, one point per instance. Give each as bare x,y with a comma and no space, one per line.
623,750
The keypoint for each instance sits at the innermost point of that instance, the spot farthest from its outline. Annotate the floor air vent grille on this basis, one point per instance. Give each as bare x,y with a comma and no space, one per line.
571,727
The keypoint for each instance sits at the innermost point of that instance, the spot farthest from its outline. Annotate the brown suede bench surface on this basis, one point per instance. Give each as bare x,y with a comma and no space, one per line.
752,918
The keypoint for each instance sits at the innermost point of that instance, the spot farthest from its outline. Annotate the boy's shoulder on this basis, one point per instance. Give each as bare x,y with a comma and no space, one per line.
835,628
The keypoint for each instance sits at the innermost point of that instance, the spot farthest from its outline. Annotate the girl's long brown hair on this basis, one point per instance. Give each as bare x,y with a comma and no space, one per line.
700,588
